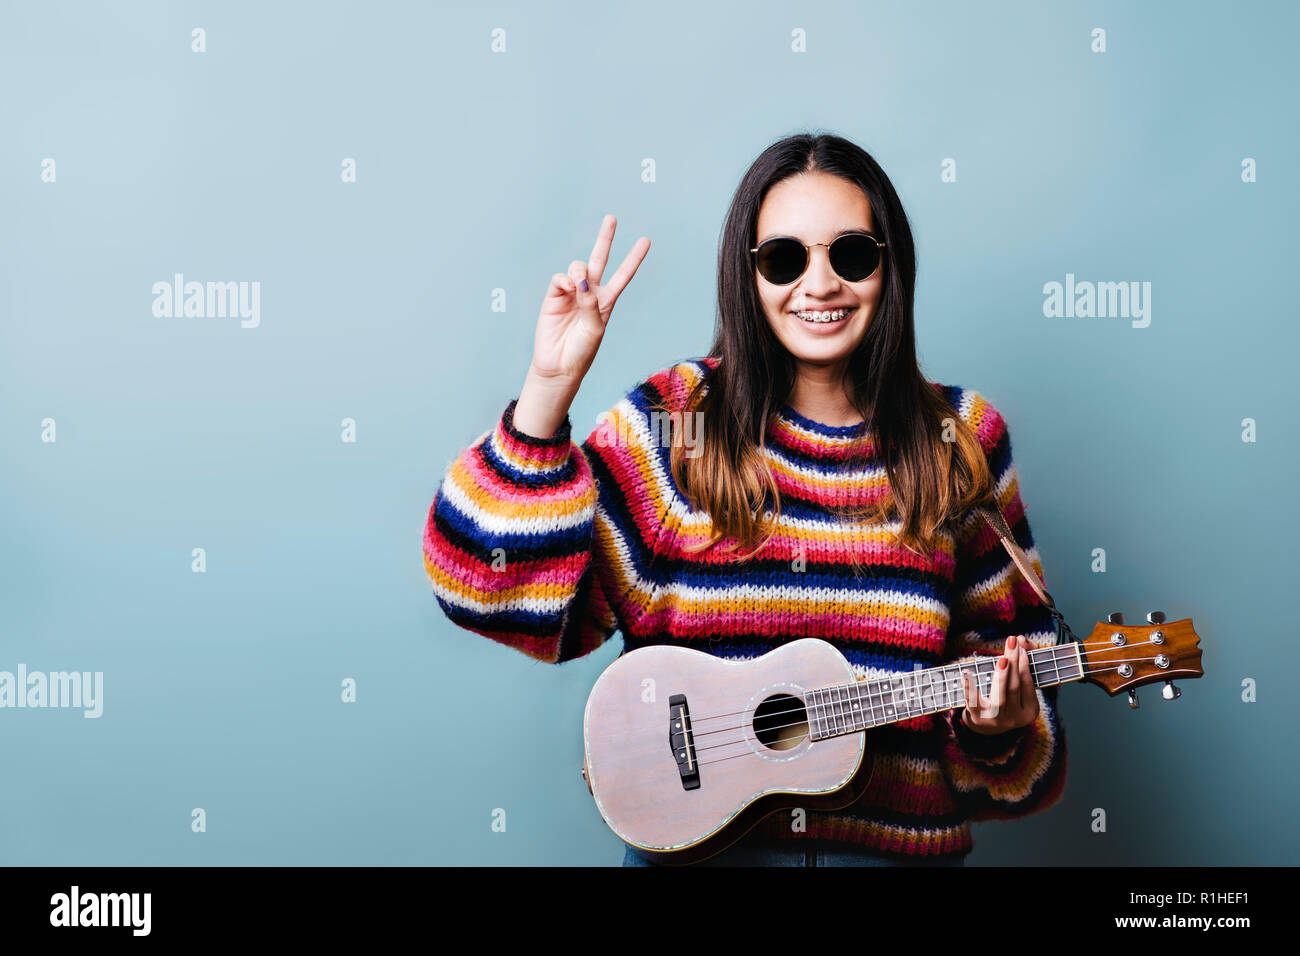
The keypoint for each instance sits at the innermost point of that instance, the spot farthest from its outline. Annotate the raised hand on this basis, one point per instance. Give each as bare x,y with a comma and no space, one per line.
572,321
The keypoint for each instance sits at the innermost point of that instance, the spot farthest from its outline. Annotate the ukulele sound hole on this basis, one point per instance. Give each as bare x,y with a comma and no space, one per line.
780,722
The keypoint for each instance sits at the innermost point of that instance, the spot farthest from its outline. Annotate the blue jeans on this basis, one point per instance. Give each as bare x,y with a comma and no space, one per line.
741,854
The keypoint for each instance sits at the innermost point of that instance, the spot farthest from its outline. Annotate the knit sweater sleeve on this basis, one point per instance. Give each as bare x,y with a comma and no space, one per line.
539,543
1022,771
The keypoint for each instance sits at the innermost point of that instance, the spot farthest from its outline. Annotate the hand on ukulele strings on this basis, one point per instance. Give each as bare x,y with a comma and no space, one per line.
1012,700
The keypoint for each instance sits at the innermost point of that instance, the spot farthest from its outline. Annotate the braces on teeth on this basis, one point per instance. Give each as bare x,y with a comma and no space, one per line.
822,317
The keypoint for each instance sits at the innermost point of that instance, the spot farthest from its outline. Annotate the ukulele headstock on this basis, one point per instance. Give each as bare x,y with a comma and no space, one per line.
1123,657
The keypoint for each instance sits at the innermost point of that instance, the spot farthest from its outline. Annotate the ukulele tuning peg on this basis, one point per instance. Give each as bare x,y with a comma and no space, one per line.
1170,691
1132,696
1155,617
1116,617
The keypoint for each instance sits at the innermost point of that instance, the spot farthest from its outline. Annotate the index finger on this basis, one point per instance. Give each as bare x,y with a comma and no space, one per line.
1027,688
600,251
998,692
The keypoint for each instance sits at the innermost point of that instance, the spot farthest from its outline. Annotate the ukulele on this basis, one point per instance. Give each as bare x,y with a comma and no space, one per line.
684,752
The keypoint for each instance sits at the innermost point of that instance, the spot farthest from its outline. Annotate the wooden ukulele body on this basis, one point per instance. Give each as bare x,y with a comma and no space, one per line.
740,752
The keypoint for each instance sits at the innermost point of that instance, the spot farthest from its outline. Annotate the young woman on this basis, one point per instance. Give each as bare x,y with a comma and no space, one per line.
826,489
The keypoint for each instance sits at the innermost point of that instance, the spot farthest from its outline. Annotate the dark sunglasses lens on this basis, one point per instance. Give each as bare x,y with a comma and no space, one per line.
781,261
855,257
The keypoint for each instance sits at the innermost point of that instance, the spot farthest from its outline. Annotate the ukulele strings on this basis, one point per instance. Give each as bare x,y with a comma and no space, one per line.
961,701
793,742
883,696
886,693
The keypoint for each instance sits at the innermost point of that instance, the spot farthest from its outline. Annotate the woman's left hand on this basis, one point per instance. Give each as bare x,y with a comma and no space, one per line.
1013,699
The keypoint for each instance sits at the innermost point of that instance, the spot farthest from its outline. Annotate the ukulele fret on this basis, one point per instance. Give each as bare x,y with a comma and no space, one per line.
855,706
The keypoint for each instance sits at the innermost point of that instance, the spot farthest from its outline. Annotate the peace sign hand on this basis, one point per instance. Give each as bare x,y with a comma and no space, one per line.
1012,700
576,310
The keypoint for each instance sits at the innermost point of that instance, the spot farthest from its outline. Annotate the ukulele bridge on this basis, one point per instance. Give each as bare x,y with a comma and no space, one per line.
682,741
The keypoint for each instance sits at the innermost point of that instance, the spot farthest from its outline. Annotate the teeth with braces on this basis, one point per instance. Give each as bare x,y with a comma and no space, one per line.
823,316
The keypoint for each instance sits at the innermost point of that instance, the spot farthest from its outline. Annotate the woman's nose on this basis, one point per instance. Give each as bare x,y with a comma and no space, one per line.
819,277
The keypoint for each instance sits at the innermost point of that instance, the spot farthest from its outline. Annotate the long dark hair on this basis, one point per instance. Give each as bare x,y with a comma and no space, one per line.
933,459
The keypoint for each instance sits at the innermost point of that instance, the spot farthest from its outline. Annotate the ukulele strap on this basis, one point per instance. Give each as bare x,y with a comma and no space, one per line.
993,515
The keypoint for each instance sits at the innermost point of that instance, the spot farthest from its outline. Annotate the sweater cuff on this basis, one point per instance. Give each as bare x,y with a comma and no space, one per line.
540,452
991,747
559,440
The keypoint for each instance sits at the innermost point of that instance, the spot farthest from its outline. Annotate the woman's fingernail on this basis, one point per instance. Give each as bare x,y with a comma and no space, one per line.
583,285
1002,663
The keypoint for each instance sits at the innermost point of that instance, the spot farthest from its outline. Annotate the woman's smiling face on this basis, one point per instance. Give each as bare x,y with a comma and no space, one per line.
816,207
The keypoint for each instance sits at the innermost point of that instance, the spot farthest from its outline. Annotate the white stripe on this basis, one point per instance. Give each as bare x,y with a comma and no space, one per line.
524,521
512,462
487,609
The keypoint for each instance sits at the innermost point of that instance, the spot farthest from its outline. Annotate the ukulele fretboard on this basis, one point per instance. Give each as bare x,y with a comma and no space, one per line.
861,705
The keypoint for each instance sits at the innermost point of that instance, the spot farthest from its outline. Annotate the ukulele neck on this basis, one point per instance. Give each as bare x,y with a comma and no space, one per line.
860,705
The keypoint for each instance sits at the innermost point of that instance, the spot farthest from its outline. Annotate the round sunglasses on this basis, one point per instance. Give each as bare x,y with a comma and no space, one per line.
854,256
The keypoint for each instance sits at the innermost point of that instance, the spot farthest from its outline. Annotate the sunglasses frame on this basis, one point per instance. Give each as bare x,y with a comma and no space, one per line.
807,252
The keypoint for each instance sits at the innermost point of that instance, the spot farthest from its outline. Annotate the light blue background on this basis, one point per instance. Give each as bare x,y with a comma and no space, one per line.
479,171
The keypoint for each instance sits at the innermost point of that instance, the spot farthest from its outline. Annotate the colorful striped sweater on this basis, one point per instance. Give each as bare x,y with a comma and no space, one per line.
592,537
